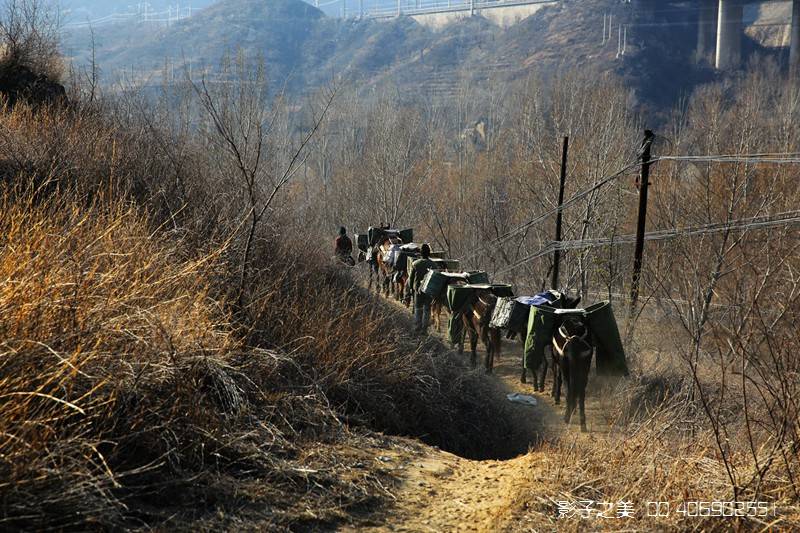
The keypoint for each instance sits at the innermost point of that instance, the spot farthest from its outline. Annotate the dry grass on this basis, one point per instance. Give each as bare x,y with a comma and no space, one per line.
128,398
661,449
134,395
653,462
361,354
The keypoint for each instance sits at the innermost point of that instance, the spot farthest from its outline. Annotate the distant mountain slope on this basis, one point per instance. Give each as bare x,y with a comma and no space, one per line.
303,45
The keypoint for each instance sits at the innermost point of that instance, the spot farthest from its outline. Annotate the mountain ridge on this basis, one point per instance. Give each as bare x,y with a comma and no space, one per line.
301,44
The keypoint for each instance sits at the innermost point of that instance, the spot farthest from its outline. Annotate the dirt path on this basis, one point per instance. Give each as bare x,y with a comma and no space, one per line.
442,492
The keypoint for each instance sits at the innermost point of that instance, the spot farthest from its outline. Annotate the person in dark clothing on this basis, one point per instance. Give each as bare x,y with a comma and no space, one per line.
422,302
343,247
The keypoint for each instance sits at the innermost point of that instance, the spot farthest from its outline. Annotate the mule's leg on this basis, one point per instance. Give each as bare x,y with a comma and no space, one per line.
540,384
581,401
524,378
473,345
582,380
557,378
491,338
571,381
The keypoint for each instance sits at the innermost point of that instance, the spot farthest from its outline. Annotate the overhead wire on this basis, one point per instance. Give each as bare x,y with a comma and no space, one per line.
766,157
778,158
787,218
494,243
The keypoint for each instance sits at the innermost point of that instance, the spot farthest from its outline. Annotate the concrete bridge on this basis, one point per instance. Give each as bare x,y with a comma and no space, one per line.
720,23
434,12
720,28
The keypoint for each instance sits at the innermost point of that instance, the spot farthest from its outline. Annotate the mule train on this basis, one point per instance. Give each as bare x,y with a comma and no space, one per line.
555,332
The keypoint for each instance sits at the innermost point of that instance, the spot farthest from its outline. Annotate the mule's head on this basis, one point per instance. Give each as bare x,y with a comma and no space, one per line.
577,341
571,302
573,327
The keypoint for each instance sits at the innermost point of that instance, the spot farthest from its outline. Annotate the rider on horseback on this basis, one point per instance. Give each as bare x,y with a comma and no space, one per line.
422,302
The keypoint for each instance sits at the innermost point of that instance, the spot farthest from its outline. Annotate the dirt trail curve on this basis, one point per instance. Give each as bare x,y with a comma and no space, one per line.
443,492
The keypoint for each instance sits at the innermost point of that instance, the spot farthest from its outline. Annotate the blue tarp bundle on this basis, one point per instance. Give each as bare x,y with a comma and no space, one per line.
543,298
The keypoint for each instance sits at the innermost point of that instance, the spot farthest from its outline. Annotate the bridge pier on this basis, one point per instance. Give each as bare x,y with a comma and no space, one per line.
706,30
794,46
729,35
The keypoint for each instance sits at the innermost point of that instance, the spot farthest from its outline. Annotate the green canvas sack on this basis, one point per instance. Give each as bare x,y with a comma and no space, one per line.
541,324
609,352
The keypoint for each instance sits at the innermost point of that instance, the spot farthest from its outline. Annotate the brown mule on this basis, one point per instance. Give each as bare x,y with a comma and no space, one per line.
386,284
476,315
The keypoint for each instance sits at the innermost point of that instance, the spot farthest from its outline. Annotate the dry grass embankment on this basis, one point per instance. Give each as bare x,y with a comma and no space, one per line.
134,395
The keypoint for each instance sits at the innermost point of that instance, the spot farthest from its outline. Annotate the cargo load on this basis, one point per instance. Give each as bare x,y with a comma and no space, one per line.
457,296
375,235
451,265
599,318
362,242
390,256
510,314
477,276
439,254
548,298
410,264
405,259
609,353
406,235
435,282
455,329
501,290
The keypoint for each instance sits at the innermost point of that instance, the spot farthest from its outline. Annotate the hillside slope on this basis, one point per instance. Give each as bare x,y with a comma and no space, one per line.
304,48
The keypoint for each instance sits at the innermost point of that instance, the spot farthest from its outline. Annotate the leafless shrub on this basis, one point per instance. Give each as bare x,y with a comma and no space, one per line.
29,36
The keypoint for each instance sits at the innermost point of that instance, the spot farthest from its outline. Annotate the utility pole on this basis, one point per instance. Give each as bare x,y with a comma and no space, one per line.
642,218
557,252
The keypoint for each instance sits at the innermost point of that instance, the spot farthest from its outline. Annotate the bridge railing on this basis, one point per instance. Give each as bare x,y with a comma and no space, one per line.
423,7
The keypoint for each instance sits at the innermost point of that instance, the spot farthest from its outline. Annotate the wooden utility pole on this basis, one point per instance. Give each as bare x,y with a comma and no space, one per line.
642,218
557,252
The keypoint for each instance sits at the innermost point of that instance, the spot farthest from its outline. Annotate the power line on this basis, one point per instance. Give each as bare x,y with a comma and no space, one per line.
778,158
576,198
767,157
788,218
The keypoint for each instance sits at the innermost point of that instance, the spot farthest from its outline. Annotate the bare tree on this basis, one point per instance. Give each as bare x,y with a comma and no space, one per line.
251,130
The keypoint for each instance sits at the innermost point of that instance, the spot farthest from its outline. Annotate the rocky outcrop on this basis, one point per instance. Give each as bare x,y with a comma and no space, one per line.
20,83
